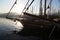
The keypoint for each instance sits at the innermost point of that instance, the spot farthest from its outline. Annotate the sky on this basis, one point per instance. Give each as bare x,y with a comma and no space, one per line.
5,5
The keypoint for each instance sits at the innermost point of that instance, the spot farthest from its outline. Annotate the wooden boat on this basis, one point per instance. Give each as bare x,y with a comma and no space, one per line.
36,21
37,24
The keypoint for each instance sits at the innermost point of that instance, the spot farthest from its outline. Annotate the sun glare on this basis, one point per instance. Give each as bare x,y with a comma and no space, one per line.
18,8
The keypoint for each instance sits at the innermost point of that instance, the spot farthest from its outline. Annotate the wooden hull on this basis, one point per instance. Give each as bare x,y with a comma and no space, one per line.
38,26
32,21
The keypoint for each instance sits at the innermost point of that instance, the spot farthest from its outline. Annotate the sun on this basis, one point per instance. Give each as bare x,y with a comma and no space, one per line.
18,8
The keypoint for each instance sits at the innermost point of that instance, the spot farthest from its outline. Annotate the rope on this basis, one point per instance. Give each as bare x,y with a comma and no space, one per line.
52,31
49,4
27,7
11,8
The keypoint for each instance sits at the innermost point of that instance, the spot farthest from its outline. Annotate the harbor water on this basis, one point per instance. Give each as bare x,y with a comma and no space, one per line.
7,29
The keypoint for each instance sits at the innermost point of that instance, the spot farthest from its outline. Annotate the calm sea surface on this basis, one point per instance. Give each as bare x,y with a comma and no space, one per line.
8,26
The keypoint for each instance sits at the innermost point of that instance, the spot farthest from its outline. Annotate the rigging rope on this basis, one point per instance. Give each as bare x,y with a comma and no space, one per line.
24,7
27,7
11,8
49,4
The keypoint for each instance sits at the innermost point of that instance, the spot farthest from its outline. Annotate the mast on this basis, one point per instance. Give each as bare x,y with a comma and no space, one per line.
40,10
45,8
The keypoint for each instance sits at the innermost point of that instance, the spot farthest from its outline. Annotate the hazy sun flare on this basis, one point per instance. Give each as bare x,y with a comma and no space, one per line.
18,8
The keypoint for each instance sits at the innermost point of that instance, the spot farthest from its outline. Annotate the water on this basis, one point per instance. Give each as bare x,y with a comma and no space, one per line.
8,26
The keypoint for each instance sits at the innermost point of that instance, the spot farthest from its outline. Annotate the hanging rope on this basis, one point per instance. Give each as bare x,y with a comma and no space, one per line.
11,8
49,4
52,31
27,7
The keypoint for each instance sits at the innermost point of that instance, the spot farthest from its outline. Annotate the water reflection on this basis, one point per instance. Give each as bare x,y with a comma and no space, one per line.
9,25
19,24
